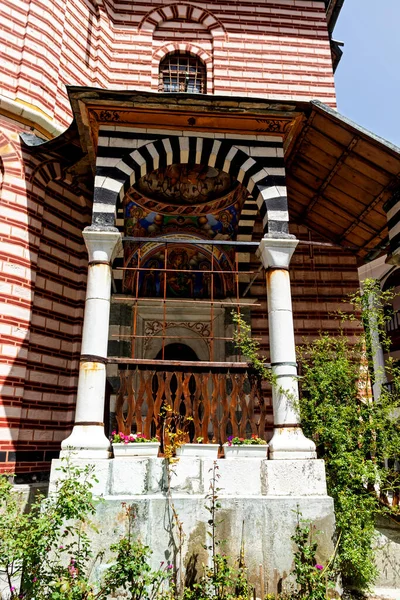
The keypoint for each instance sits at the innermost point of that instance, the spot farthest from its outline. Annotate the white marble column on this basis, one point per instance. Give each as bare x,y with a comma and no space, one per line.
88,439
378,359
288,441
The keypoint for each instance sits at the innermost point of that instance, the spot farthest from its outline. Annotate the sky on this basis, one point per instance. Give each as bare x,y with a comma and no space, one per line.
368,76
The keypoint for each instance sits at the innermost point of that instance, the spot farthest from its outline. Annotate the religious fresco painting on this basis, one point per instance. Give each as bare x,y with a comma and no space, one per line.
140,222
186,185
191,272
187,200
193,199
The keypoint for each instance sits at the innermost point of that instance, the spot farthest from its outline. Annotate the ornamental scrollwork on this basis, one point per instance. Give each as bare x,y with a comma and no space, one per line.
153,328
109,115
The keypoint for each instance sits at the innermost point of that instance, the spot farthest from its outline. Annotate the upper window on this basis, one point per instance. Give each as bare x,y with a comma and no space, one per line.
182,72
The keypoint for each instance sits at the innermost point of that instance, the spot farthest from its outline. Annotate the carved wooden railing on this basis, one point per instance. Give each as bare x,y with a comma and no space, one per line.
221,399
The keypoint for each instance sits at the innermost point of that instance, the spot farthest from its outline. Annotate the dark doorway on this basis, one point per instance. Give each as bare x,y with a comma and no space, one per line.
177,352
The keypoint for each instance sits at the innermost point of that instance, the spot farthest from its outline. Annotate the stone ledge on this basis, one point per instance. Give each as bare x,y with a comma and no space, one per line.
241,477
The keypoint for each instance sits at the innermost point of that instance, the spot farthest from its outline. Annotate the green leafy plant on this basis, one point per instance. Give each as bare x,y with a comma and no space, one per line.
130,574
250,348
221,580
47,554
312,579
358,437
175,430
36,548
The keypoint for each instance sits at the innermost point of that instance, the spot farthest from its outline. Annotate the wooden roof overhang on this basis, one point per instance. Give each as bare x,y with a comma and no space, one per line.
339,175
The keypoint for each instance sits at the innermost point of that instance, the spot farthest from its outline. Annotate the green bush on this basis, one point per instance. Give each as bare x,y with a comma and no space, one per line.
358,438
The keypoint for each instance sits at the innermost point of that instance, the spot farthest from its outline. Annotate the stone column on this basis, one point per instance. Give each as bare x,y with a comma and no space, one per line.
288,441
88,439
378,359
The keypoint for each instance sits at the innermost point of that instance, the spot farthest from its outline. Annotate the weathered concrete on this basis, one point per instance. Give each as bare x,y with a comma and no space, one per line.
388,557
258,497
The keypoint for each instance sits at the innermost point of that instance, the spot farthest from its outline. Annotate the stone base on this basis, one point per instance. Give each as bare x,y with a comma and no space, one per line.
259,501
86,442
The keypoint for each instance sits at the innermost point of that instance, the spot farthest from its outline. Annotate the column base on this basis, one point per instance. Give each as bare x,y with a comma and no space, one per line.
86,441
290,443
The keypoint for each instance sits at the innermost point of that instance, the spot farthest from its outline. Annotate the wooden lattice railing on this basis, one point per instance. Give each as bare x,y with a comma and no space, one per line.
222,399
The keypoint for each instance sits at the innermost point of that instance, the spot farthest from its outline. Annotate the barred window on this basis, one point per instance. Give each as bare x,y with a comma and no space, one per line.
182,72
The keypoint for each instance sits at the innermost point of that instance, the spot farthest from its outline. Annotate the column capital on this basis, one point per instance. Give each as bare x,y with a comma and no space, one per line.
276,252
102,245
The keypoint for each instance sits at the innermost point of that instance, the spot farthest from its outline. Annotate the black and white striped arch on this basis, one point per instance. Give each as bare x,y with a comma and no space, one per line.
263,176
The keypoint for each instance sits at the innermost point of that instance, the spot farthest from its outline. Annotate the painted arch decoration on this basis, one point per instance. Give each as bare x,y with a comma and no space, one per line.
263,177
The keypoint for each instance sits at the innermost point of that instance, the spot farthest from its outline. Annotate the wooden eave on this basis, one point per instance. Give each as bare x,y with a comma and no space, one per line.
339,176
333,8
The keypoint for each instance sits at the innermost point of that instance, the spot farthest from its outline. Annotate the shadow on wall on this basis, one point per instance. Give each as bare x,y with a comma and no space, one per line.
44,280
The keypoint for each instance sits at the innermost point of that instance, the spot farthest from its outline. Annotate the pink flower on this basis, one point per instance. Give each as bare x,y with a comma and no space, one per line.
319,567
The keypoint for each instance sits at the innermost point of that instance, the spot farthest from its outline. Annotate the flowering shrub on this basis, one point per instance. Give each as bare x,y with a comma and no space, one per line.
239,441
313,579
131,438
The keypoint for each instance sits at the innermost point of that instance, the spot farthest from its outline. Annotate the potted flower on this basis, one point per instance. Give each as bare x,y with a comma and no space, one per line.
238,447
133,444
198,449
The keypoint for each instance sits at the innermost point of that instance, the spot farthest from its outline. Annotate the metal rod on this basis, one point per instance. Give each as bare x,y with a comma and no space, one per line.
132,299
212,305
135,309
177,337
176,363
237,295
164,305
145,240
260,268
240,244
179,270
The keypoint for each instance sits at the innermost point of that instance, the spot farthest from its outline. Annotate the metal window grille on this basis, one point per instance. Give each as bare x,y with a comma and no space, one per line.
209,296
182,72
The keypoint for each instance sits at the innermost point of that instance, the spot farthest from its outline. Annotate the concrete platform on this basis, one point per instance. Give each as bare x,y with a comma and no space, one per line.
259,501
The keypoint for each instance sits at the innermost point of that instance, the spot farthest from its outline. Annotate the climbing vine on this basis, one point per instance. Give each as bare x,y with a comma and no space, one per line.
358,438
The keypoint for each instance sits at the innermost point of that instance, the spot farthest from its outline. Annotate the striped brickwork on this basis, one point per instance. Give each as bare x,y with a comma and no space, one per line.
392,208
44,266
119,166
43,271
275,49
